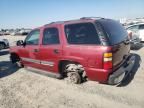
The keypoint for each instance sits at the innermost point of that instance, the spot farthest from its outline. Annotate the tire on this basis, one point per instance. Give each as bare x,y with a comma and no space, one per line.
74,72
19,64
74,77
16,60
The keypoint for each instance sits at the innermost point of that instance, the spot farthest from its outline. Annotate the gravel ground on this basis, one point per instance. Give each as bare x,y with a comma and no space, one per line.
20,88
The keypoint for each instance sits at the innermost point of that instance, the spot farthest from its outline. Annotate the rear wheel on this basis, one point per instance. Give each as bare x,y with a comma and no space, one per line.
74,72
74,77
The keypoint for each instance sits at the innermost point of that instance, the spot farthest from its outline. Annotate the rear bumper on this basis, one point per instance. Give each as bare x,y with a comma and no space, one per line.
110,76
117,76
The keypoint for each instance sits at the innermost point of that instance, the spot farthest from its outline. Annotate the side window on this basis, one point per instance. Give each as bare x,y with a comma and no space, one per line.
141,27
82,33
50,36
33,38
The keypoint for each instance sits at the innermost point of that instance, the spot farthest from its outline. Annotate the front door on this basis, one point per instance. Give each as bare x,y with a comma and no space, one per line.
29,53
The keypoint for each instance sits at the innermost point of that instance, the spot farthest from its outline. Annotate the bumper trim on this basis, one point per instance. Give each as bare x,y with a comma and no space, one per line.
121,73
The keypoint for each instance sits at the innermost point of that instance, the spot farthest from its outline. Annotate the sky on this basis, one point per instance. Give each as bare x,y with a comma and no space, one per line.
34,13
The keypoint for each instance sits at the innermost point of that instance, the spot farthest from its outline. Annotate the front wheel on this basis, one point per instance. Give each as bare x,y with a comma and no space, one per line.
16,60
19,64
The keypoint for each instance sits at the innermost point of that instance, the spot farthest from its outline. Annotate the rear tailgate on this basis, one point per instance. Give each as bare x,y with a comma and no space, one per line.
120,53
117,38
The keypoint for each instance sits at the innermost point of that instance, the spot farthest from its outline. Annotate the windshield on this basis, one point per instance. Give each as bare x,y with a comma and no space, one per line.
116,33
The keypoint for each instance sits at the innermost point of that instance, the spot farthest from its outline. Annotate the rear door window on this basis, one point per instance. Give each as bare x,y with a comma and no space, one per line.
50,36
81,33
116,33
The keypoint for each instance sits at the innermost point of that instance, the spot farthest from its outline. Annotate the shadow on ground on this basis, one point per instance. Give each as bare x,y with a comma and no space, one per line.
131,75
7,68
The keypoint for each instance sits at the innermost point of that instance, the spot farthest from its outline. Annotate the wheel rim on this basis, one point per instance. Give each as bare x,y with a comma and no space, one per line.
74,77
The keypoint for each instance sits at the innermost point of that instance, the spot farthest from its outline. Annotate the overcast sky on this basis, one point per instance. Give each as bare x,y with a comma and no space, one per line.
34,13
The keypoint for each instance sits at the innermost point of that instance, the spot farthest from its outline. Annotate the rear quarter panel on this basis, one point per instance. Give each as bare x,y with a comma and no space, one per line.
87,55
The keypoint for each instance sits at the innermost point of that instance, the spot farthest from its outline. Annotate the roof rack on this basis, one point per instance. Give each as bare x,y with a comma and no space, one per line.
60,22
57,22
92,18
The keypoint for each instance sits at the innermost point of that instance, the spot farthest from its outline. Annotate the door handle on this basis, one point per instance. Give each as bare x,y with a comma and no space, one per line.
36,50
56,51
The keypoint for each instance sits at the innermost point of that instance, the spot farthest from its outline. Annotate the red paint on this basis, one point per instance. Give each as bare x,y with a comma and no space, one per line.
90,56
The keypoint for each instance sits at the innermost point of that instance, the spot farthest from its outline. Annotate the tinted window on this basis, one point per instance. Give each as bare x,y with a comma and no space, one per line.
141,26
116,33
83,33
33,38
133,28
50,36
101,33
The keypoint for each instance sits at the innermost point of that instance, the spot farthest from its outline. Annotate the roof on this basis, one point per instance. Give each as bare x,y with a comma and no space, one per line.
81,20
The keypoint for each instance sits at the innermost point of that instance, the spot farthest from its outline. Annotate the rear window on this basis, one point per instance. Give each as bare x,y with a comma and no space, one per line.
115,31
82,33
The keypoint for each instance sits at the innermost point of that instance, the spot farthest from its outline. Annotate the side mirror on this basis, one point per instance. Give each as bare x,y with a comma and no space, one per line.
19,43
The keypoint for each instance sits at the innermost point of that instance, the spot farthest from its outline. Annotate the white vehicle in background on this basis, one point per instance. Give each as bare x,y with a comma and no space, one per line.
136,31
142,35
4,43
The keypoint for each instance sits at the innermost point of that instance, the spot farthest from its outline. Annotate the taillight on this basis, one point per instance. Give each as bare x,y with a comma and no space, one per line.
107,61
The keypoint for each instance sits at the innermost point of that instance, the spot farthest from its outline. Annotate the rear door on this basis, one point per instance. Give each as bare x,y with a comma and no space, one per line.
118,39
30,52
50,49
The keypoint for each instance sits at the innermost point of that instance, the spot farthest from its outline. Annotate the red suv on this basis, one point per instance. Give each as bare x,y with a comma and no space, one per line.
89,48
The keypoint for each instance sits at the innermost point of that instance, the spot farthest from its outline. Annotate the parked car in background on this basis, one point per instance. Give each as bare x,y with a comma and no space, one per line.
93,48
136,32
4,43
20,32
4,32
1,33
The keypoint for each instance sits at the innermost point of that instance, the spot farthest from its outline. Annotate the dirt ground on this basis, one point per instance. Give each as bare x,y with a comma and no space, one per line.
20,88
